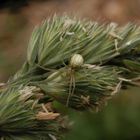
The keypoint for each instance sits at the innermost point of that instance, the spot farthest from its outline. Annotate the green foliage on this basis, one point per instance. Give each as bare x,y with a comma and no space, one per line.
18,119
107,51
92,87
111,57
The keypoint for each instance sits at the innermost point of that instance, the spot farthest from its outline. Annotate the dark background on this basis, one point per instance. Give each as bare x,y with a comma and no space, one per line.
120,120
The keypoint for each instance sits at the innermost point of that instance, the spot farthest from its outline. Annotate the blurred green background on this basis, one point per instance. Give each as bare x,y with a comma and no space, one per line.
120,119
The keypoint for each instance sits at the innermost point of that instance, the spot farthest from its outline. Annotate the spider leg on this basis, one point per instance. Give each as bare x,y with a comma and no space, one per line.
73,84
70,88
